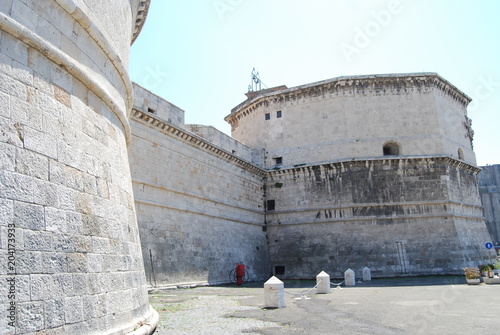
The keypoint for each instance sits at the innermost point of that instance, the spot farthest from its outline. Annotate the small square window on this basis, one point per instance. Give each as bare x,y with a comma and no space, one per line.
268,116
151,110
271,205
279,270
278,160
278,114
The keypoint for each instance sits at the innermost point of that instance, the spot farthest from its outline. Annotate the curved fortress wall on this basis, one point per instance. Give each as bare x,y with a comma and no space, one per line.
367,170
66,202
199,205
396,216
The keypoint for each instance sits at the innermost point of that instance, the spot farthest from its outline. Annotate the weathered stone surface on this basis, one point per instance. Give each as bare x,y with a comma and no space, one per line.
29,216
55,308
397,216
199,206
30,317
73,310
489,179
64,100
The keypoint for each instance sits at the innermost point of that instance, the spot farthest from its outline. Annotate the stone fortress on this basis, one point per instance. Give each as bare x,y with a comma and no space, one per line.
104,189
358,171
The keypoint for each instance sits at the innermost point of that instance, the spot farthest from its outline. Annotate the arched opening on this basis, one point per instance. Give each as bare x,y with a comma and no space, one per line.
460,154
391,149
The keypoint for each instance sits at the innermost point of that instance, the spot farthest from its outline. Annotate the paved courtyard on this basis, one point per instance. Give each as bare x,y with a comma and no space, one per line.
429,305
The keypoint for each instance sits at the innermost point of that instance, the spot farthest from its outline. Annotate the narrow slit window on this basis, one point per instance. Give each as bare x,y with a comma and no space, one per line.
278,114
268,116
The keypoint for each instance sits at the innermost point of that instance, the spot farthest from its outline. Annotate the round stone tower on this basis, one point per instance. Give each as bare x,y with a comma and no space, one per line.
367,170
70,252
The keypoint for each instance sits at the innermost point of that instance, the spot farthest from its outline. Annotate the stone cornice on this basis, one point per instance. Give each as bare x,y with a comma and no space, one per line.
140,18
193,140
355,85
356,163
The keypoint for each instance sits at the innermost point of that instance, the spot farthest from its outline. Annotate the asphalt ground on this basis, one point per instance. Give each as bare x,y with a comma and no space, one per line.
416,305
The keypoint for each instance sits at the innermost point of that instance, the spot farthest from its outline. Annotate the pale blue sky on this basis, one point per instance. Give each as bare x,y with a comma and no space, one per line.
198,54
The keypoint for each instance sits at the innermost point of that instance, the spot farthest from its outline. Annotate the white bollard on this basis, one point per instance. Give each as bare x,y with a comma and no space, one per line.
349,277
323,283
274,293
367,274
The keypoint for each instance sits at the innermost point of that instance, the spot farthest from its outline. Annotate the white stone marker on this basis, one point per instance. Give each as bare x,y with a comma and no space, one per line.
349,277
323,282
274,293
367,274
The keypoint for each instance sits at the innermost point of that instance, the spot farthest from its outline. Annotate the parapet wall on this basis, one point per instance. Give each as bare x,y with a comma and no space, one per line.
148,102
224,141
200,207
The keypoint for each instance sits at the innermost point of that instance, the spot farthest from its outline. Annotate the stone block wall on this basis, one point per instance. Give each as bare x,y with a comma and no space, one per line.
489,179
146,101
396,216
224,141
69,240
200,208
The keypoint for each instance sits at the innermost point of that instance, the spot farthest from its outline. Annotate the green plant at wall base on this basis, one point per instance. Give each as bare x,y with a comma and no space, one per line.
490,269
486,268
471,273
279,185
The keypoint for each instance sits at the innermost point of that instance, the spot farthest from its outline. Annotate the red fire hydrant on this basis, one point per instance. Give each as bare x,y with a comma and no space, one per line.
240,273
